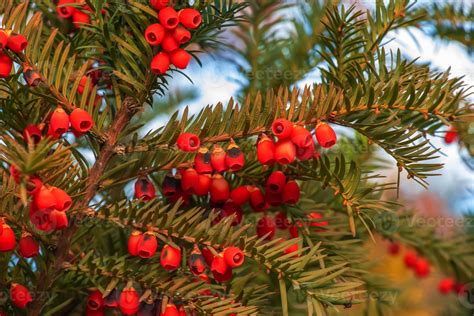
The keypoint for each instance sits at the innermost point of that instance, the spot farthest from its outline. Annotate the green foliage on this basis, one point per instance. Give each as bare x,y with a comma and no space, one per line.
391,103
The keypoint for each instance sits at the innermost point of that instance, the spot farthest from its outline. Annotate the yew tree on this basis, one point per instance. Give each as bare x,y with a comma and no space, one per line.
263,205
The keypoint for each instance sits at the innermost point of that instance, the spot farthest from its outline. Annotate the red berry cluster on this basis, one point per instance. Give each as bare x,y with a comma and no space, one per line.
422,269
15,43
293,142
129,304
27,247
145,245
171,32
418,264
49,204
80,120
20,295
78,13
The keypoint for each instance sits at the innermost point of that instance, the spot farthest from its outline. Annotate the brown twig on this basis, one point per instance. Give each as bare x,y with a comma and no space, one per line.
47,277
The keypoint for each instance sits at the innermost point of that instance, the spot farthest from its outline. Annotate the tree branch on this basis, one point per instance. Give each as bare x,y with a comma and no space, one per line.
47,277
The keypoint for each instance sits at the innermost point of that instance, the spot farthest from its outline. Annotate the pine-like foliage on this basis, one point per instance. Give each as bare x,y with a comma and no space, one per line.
392,103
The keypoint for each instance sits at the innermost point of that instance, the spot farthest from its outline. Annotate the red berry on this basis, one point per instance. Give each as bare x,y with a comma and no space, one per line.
33,185
291,192
82,84
219,189
180,58
234,158
240,195
81,120
65,11
266,225
190,18
59,122
154,34
159,4
393,248
282,128
133,241
274,199
229,209
80,18
234,257
422,268
410,259
160,63
219,265
129,301
301,137
28,246
3,39
147,245
266,150
40,218
92,312
451,135
276,182
20,295
32,133
168,18
170,258
281,220
218,158
202,161
169,45
257,200
50,134
285,152
171,187
63,200
181,34
182,311
196,262
17,43
144,189
208,255
189,180
446,285
7,238
6,65
170,310
314,215
44,199
95,300
188,142
291,249
15,173
223,277
325,135
203,185
294,229
59,220
306,153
